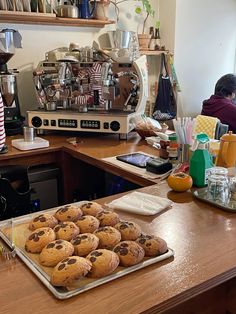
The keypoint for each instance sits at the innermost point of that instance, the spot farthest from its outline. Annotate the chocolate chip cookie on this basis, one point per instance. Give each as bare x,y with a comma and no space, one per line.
70,270
87,224
108,218
66,230
85,243
130,231
104,262
129,252
43,220
39,239
152,245
54,252
108,237
68,213
91,208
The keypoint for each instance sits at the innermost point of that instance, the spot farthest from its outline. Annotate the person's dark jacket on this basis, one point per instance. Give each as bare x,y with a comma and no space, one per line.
221,108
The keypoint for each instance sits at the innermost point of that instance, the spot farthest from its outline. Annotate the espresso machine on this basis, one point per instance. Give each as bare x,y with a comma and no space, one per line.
9,40
89,91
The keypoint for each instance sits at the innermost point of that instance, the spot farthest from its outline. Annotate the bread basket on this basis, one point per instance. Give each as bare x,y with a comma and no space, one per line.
151,132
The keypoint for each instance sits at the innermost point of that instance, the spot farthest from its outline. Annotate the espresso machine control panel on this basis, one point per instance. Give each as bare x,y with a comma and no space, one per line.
90,124
67,123
121,123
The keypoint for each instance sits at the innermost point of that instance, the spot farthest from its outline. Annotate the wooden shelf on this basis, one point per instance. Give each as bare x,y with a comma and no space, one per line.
17,17
153,52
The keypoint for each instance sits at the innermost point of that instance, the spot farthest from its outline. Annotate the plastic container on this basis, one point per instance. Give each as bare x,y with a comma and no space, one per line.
200,162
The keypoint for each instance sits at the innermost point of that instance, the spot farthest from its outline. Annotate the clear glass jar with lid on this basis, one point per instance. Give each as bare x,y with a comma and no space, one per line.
172,149
218,189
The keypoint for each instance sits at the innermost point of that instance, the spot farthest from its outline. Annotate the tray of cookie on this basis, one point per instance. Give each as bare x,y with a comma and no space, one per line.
79,246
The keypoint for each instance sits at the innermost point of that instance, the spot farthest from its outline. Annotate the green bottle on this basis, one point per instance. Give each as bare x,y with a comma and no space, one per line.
200,161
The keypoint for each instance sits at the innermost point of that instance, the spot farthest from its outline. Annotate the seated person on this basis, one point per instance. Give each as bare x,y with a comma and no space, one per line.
221,105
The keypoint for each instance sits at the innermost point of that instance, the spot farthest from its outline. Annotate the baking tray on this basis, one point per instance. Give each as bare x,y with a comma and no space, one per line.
21,231
201,194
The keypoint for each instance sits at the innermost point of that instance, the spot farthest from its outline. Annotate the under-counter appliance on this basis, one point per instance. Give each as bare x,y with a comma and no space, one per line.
90,94
9,40
44,185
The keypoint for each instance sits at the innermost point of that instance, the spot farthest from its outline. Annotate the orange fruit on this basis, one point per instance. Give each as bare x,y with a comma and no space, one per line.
180,181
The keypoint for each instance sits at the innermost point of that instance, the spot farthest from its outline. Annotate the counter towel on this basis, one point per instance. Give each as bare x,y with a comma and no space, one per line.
140,203
207,125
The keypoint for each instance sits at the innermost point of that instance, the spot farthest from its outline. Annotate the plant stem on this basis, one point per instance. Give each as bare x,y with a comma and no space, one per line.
144,23
117,10
118,2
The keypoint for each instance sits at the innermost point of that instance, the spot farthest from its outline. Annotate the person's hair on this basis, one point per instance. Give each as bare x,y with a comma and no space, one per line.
226,85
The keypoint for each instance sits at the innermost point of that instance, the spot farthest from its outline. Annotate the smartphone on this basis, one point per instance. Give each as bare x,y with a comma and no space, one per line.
135,159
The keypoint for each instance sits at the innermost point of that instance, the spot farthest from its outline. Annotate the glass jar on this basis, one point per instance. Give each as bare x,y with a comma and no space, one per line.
172,149
233,188
218,189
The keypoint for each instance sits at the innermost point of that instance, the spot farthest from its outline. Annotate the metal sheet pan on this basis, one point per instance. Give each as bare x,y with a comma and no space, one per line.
201,194
44,277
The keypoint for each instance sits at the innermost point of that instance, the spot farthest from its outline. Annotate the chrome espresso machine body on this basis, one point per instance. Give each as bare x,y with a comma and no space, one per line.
9,40
95,94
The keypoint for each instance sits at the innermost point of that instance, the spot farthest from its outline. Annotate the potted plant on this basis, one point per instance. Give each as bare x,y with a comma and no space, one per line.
145,8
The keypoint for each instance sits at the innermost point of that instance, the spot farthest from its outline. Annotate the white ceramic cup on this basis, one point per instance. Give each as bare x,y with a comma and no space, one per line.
28,134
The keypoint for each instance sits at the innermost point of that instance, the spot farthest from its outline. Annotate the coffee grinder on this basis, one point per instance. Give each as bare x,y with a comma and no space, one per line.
9,40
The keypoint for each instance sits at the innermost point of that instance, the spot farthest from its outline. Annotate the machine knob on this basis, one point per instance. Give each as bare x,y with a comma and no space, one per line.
36,122
115,126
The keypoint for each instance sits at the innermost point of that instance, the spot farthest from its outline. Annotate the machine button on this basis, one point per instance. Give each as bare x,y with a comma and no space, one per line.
53,123
106,125
45,122
36,122
115,126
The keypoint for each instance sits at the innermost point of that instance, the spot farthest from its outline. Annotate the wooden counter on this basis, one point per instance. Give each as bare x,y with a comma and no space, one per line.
79,163
199,279
90,149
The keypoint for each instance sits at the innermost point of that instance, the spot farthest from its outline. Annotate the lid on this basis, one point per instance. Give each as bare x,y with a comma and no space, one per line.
217,179
219,171
7,30
173,137
202,138
229,137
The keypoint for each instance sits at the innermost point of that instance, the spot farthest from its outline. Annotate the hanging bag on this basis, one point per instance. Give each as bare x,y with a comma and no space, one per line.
165,104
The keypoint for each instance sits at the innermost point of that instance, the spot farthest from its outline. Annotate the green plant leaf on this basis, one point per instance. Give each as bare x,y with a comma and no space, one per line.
157,24
138,10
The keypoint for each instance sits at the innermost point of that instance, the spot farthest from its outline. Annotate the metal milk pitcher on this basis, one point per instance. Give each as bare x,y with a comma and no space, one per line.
86,8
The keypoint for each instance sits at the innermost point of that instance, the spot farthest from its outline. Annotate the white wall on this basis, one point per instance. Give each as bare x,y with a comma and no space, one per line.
202,35
167,11
38,39
205,46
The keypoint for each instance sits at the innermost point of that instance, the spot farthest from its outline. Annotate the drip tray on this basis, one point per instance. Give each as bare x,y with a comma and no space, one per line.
37,143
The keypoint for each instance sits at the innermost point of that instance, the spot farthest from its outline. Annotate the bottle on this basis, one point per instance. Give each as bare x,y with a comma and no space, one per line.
157,39
172,149
152,40
163,150
200,162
